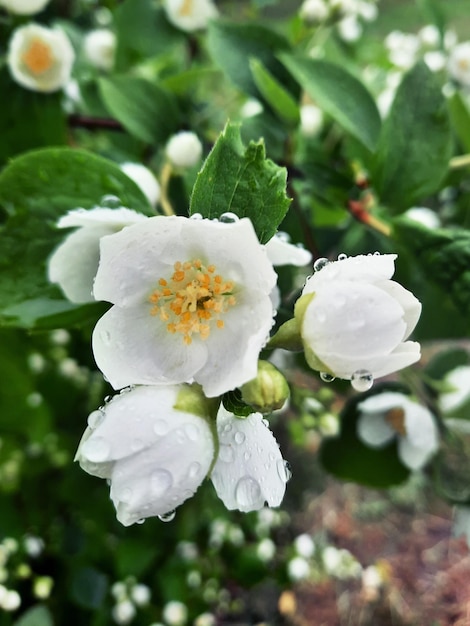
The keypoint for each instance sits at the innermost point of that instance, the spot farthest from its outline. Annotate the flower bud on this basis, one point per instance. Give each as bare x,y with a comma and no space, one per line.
144,179
184,149
100,47
268,391
190,15
24,7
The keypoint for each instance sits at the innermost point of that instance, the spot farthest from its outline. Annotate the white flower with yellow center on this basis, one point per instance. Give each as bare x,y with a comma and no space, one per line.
24,7
40,58
458,64
353,320
190,15
155,446
390,415
74,263
191,303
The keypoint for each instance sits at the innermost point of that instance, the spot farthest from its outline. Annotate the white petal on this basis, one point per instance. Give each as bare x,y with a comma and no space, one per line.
458,381
421,430
411,305
114,219
382,402
373,430
145,179
250,469
132,347
281,252
412,456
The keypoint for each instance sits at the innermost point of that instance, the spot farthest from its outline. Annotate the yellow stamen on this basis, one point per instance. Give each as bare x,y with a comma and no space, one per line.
186,8
396,419
38,57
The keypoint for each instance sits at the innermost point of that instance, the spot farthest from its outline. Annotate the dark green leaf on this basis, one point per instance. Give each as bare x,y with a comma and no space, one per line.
278,98
242,181
415,143
232,401
339,94
35,616
146,110
460,118
88,587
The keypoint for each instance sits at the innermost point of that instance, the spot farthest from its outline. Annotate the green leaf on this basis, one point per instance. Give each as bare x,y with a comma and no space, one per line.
88,587
348,458
339,94
460,118
38,615
443,256
278,98
415,143
147,111
233,402
232,46
242,181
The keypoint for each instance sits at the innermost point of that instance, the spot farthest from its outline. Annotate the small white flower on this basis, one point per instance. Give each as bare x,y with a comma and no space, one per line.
123,612
368,11
74,263
33,545
390,414
402,48
251,108
10,600
298,568
266,549
355,318
435,60
40,58
340,563
184,149
304,545
100,48
205,619
372,578
423,215
175,613
190,15
140,594
458,384
458,64
191,303
24,7
154,453
281,252
144,179
349,28
429,36
311,119
249,470
313,10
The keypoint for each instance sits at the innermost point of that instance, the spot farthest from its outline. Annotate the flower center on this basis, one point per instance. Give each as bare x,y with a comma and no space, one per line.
396,419
186,8
38,57
193,300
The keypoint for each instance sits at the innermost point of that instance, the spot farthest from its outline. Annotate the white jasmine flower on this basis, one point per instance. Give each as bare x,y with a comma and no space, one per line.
191,303
349,28
24,7
435,60
184,149
144,179
119,591
10,600
298,568
372,577
458,64
368,11
266,549
402,48
175,613
40,58
304,545
251,108
33,545
311,120
190,15
340,563
388,415
313,10
153,444
461,525
450,39
123,612
458,385
423,215
429,36
140,594
74,263
355,319
282,252
100,48
249,469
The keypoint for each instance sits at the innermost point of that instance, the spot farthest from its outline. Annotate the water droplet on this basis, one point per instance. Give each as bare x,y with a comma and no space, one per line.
376,253
140,521
326,378
137,444
228,218
167,517
226,454
247,492
196,216
180,435
194,470
362,380
284,471
227,428
239,437
247,456
320,264
108,399
342,256
192,431
160,481
265,422
160,428
283,236
96,449
95,418
105,337
110,202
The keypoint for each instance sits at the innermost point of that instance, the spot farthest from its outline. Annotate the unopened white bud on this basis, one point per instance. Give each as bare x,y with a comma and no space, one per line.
100,48
184,149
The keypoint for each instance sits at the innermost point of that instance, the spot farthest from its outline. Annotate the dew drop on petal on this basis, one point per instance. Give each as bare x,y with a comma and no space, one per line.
342,256
160,481
362,380
108,399
320,264
125,495
192,432
247,455
95,418
96,449
247,492
283,236
227,428
137,444
229,218
194,470
226,454
105,337
265,422
239,437
196,216
167,517
326,378
284,471
160,428
140,521
110,202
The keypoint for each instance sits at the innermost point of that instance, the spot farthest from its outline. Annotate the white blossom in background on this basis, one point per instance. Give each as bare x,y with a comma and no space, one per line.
154,453
458,64
190,15
184,149
314,10
74,263
391,415
349,28
42,587
10,599
249,470
192,303
403,48
33,545
298,569
144,179
423,215
311,120
123,612
461,523
429,36
205,619
340,563
250,108
99,47
175,613
24,7
140,594
266,549
457,390
304,545
435,60
354,320
40,58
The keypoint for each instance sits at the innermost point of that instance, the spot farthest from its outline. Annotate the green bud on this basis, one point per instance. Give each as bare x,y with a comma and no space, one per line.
268,391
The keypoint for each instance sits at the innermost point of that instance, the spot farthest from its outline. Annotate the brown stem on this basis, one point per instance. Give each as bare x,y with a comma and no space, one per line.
94,123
